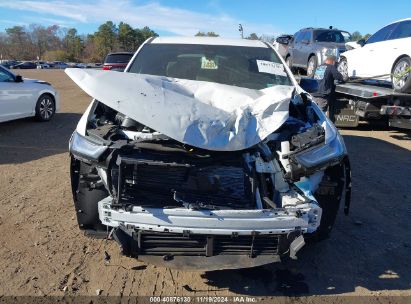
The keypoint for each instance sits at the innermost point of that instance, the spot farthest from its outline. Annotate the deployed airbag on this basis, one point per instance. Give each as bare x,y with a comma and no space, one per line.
202,114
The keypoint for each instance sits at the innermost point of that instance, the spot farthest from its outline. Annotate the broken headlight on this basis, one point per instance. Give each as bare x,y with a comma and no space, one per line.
318,156
322,154
333,148
84,149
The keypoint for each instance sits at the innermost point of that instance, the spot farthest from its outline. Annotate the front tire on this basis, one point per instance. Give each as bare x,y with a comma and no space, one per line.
328,195
86,197
45,107
311,66
401,75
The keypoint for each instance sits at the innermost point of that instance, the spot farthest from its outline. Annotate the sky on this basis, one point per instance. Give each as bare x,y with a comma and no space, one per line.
187,17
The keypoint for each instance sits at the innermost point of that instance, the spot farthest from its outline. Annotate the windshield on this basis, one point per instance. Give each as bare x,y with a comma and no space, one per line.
332,36
249,67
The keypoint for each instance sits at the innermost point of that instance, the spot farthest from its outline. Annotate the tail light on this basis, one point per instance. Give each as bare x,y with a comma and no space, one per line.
107,67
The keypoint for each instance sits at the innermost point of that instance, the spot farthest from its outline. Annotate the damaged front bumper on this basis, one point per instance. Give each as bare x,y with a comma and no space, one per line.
210,238
224,222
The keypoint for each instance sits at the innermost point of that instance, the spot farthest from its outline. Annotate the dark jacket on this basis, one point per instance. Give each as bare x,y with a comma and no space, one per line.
326,74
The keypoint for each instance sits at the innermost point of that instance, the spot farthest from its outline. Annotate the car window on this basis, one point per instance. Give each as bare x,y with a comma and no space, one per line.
382,34
118,58
331,36
5,76
308,36
298,37
249,67
403,30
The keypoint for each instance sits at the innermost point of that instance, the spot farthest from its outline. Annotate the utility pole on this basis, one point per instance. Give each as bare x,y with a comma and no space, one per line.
240,29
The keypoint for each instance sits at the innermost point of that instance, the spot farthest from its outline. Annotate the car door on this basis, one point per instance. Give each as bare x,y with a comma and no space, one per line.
398,44
383,53
366,61
291,45
297,55
16,99
306,48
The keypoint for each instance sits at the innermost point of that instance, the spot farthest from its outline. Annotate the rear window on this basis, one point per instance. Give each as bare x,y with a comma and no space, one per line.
248,67
118,58
332,36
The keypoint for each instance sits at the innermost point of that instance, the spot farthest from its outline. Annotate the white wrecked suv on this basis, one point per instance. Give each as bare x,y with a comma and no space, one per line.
205,153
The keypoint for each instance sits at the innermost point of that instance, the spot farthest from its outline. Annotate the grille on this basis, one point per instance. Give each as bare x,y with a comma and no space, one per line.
173,244
261,245
206,245
153,184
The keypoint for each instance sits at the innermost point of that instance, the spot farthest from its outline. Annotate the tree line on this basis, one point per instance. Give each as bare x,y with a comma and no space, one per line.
66,44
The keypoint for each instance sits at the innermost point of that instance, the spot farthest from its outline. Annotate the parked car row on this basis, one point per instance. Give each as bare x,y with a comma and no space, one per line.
13,64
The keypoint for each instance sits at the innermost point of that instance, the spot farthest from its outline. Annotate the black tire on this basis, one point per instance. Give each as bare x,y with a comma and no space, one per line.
311,66
329,195
401,75
86,198
45,107
343,68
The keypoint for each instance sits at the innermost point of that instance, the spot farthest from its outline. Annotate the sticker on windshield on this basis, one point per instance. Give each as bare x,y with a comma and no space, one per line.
271,67
209,64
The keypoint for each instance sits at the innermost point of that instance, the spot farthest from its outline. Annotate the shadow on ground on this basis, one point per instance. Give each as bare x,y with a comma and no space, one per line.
401,134
26,139
370,249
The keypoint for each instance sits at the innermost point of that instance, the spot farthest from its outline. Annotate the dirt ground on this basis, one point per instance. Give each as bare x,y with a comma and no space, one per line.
42,251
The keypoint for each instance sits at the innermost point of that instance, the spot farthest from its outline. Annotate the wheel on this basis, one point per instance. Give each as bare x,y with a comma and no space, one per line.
45,107
401,75
329,195
343,68
311,66
86,197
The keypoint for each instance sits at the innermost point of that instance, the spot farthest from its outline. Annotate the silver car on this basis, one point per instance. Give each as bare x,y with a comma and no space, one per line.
307,49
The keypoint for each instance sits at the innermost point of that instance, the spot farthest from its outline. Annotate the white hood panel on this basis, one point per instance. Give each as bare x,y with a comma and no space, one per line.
202,114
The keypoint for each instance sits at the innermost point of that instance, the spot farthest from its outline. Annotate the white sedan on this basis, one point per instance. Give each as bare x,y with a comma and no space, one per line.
21,98
386,56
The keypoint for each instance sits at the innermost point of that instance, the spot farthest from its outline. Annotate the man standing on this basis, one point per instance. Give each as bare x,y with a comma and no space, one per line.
326,74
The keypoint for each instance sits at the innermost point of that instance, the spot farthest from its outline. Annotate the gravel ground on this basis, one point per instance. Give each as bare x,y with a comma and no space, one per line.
42,251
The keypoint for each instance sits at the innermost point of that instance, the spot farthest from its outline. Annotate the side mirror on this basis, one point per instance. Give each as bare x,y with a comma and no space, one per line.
361,42
19,78
309,85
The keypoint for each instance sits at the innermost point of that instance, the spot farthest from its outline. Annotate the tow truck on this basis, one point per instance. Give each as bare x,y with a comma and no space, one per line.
370,100
367,100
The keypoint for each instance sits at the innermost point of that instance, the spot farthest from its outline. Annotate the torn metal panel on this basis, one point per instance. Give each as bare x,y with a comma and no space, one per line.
202,114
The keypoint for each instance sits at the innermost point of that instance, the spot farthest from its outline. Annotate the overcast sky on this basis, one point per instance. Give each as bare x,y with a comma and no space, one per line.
185,17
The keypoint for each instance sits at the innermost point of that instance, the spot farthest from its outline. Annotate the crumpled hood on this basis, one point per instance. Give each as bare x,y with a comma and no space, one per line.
202,114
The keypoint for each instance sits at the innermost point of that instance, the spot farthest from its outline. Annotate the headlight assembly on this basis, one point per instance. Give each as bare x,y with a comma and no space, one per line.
84,149
323,154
